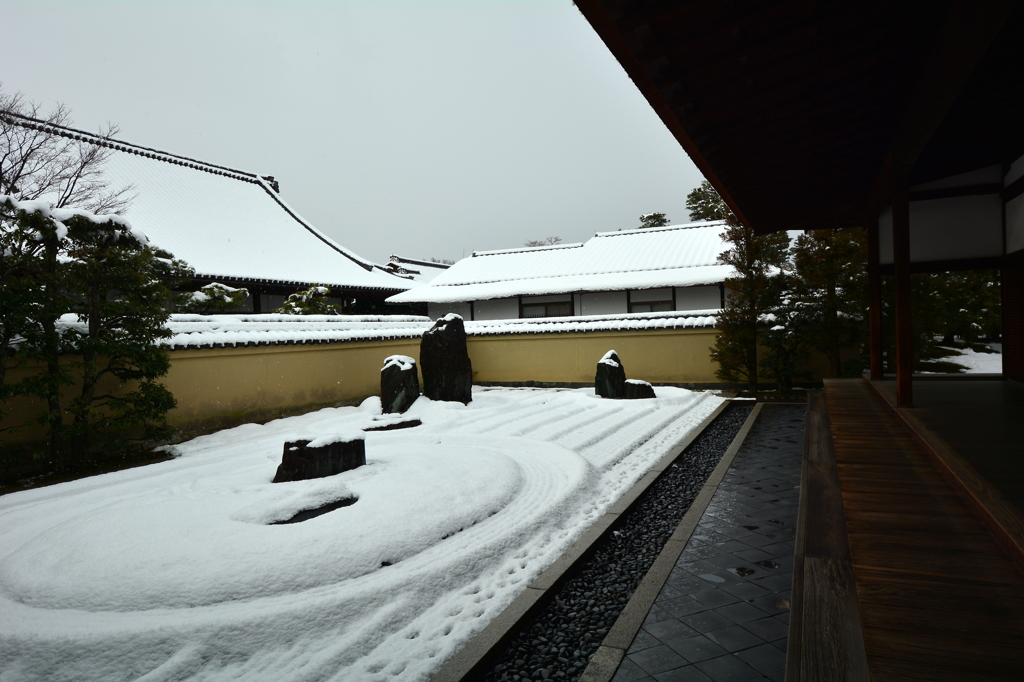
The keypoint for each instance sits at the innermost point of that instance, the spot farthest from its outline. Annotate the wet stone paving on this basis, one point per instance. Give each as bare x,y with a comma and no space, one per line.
723,615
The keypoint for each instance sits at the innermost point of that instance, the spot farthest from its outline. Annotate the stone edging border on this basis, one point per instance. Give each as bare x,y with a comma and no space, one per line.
613,649
469,658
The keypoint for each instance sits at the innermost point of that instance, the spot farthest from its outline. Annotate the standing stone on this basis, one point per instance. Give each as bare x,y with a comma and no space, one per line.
444,361
636,389
610,381
399,385
303,459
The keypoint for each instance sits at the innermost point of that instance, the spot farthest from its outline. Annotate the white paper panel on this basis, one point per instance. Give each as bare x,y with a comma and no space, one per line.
948,229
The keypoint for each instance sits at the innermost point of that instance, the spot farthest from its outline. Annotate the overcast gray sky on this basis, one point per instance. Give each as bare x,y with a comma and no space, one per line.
417,128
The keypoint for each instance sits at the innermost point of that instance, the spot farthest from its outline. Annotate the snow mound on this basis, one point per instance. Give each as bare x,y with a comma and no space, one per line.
175,571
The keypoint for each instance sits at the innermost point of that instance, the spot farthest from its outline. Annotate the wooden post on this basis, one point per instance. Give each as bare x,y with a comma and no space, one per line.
901,270
874,300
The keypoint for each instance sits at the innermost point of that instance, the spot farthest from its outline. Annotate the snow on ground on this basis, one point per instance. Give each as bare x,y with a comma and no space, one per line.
978,362
172,571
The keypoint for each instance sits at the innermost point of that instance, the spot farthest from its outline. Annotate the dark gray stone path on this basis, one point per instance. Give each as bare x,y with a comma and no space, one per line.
723,615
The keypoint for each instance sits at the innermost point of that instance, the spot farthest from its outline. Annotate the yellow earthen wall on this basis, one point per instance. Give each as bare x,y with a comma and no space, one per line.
220,387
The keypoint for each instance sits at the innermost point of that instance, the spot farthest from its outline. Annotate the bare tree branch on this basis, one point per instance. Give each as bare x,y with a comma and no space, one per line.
36,163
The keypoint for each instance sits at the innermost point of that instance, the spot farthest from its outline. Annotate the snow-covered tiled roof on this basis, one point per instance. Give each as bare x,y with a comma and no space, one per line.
650,258
216,331
227,224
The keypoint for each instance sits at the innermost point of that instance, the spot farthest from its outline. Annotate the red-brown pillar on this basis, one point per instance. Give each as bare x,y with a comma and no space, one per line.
1013,317
901,272
874,300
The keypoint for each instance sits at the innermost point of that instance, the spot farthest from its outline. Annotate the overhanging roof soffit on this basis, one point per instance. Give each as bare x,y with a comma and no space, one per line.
794,111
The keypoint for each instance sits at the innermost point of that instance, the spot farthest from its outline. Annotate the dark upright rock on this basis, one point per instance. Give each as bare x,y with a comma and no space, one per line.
444,361
610,381
639,389
399,385
300,462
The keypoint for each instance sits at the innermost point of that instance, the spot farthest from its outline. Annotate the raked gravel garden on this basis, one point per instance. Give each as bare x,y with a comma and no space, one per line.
182,570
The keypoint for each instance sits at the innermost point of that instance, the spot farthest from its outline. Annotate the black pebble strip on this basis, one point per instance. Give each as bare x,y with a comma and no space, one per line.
558,641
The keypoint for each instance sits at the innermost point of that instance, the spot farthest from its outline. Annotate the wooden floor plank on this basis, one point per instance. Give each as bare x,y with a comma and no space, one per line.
939,598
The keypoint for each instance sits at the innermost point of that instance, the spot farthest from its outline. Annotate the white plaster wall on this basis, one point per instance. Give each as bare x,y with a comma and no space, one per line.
1015,225
1016,171
436,310
604,303
982,176
496,309
698,298
644,295
948,229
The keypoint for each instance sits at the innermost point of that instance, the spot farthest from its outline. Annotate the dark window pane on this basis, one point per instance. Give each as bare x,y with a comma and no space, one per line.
533,311
661,306
559,309
640,308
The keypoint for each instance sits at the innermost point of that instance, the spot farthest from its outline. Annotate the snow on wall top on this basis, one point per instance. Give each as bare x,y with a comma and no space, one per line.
205,331
681,255
227,224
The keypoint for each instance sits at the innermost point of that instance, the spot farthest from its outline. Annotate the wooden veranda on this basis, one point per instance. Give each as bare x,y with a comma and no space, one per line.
896,576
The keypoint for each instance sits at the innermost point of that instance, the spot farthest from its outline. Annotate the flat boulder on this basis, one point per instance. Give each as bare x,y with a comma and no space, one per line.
444,361
303,459
610,380
636,389
399,384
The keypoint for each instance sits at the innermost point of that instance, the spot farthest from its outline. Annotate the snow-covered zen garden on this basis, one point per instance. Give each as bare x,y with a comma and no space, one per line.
179,570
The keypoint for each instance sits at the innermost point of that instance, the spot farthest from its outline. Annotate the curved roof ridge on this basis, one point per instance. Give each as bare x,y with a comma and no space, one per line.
361,262
529,249
576,274
666,228
129,147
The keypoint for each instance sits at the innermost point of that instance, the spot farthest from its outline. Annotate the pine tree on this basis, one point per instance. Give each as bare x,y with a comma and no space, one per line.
97,296
831,270
32,300
704,203
118,296
757,261
19,296
653,220
784,340
211,299
952,311
311,301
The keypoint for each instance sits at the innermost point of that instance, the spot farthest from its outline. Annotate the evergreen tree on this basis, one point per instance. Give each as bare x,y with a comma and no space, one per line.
653,220
311,301
212,299
952,311
784,340
32,299
19,291
831,281
757,262
704,203
116,282
93,290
